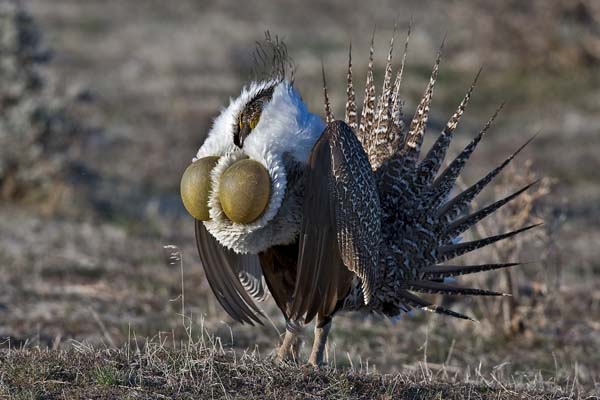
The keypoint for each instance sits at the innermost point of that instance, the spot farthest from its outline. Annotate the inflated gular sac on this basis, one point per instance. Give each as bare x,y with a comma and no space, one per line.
244,191
196,186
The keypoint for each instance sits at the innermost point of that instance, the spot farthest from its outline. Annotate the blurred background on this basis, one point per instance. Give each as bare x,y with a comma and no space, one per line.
104,103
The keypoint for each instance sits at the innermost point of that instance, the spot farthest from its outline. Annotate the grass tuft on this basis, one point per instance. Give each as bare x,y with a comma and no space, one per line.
203,369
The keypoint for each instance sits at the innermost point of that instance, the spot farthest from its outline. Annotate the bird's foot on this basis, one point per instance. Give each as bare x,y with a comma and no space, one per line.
316,360
289,349
318,350
286,356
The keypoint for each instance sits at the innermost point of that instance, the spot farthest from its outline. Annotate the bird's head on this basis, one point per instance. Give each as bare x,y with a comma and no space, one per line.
238,182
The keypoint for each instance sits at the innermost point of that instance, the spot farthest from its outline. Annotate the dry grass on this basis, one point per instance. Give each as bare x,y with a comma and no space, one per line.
77,281
204,368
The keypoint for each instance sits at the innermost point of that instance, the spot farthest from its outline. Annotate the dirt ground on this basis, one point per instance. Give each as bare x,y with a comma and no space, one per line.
94,269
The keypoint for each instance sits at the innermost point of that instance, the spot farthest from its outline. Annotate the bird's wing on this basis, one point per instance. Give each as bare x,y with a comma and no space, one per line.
251,277
224,268
341,224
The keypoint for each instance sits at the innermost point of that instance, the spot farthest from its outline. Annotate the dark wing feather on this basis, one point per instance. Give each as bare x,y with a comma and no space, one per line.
251,277
341,224
222,267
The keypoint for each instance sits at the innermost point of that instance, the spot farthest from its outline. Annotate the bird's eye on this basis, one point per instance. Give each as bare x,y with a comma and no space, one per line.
254,121
244,191
196,185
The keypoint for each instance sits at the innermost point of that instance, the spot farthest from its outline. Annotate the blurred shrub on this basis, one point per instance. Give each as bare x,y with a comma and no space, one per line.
526,284
38,136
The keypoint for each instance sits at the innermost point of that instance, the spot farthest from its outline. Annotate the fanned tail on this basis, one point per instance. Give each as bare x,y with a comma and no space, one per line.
451,251
328,114
379,140
421,225
386,93
432,162
443,288
367,117
448,271
414,140
452,208
444,183
415,301
380,128
351,97
460,225
396,110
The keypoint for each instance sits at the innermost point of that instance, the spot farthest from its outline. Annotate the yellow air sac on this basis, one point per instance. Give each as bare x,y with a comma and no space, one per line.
244,191
196,185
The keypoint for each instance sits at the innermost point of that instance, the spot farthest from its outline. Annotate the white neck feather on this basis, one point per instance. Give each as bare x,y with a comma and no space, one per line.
285,127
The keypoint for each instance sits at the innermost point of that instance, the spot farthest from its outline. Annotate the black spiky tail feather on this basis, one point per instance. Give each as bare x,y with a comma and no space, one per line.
414,197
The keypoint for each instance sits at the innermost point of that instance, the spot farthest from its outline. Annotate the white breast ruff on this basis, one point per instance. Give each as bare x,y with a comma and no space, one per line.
285,127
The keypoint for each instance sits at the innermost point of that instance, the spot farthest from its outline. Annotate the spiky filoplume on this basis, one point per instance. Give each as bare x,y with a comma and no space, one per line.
420,225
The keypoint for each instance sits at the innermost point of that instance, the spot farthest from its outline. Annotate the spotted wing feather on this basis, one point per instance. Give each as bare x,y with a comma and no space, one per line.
341,225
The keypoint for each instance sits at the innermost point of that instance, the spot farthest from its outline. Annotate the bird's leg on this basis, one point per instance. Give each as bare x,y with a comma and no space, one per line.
291,342
322,327
286,350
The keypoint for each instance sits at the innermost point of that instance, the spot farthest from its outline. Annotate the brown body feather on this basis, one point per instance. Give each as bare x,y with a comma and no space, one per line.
279,266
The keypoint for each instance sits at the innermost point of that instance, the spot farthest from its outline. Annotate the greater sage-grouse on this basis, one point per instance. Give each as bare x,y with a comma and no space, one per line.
332,215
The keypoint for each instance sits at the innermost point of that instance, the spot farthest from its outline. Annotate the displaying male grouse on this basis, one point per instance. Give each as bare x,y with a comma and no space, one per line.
332,215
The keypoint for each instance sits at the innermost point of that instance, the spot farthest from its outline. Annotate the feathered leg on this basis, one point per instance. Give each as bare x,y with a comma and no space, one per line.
291,342
322,327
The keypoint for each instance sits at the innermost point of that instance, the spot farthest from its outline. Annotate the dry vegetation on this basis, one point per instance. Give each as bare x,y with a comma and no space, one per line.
91,303
204,369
